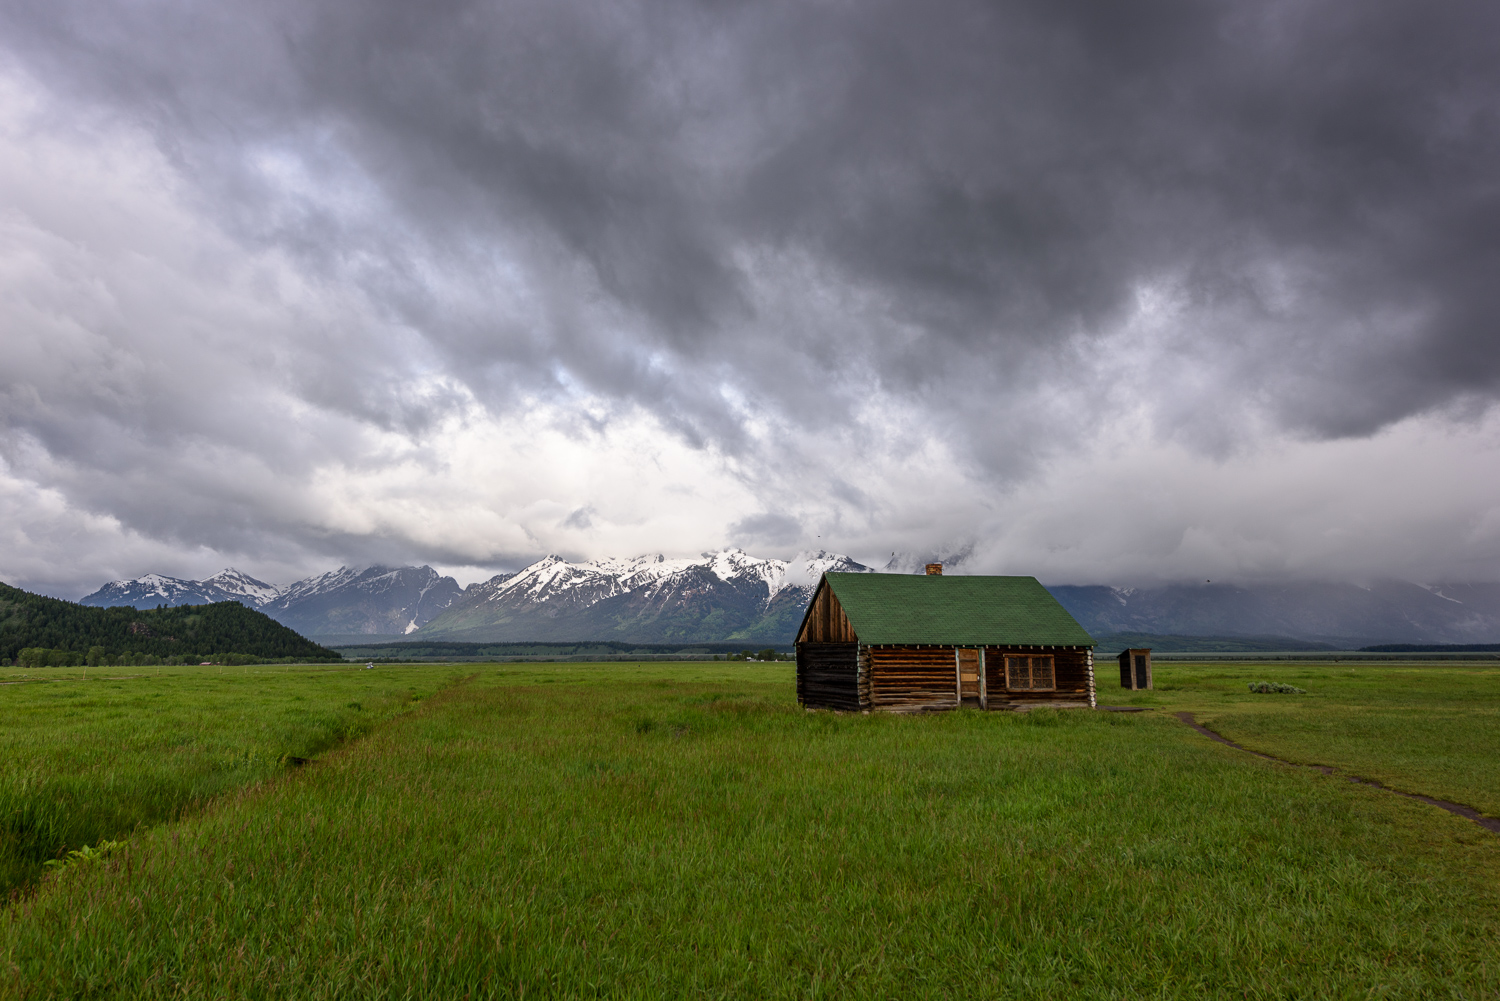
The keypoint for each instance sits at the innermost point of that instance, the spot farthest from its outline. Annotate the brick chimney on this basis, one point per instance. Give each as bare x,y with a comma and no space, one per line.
934,569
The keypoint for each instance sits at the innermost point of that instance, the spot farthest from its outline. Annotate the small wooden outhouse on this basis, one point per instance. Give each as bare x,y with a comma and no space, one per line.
904,643
1135,668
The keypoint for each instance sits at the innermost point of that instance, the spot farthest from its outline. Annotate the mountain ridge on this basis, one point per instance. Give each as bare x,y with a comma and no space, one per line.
374,600
646,598
358,600
731,596
726,595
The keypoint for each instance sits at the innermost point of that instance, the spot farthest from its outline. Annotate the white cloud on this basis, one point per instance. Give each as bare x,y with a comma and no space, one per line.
1419,500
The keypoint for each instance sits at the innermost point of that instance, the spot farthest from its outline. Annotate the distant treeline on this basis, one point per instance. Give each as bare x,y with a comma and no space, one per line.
37,629
1112,643
584,650
40,656
1432,648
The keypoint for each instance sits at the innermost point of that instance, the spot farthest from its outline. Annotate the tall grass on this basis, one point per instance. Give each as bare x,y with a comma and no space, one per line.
626,837
85,761
1430,729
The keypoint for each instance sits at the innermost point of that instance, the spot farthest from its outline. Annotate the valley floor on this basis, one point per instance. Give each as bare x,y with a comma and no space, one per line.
672,830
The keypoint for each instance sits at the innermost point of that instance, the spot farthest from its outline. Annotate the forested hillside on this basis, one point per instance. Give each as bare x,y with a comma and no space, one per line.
71,633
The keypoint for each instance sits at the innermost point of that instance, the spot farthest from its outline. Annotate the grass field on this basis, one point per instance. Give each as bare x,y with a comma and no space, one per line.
1432,729
671,830
83,761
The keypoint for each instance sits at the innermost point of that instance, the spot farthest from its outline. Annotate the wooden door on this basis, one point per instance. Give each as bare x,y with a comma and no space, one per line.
968,676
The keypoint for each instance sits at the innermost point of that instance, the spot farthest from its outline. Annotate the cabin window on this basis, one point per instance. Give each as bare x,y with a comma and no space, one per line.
1030,673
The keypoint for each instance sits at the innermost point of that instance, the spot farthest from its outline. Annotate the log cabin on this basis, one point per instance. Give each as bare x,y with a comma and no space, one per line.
909,643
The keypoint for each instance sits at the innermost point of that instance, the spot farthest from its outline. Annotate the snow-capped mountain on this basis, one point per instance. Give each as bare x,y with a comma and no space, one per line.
729,596
372,600
347,601
241,587
726,595
153,589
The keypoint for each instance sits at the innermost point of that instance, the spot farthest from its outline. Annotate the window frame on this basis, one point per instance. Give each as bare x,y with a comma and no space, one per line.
1030,659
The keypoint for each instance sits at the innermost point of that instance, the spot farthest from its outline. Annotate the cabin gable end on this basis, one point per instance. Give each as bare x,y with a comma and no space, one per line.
825,620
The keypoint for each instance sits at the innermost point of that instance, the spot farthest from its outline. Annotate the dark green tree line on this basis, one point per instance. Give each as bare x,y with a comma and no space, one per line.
186,633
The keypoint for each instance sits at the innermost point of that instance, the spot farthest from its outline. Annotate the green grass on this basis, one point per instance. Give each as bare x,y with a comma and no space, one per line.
659,830
85,761
1431,729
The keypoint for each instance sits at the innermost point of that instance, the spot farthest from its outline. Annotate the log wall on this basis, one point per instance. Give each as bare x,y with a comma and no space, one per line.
1072,665
852,676
825,621
828,675
905,678
864,677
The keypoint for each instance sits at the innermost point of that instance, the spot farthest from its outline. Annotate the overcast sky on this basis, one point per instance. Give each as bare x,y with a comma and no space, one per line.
1100,292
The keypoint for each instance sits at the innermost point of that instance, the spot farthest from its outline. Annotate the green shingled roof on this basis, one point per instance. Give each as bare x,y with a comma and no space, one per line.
959,611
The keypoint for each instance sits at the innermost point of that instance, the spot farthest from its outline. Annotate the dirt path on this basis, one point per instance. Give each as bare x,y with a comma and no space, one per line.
1467,812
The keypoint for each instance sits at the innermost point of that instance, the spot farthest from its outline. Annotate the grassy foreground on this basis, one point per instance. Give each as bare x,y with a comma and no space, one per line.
86,761
666,831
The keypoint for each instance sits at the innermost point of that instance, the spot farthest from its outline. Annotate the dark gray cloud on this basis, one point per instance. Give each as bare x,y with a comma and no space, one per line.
767,529
753,220
1006,174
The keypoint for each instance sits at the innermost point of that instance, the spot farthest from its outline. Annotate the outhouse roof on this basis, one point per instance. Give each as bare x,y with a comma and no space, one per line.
953,610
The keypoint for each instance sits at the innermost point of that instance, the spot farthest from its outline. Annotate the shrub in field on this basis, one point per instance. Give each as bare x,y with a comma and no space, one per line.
85,854
44,657
1276,686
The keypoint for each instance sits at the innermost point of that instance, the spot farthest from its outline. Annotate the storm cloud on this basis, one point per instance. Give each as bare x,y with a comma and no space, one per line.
462,283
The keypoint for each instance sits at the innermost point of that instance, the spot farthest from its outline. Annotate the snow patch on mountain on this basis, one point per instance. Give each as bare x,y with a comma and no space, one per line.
369,582
150,590
320,584
365,600
1437,589
247,589
160,586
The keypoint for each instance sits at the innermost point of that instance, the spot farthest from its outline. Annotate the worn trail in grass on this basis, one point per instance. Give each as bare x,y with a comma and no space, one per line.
82,761
616,832
1430,729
